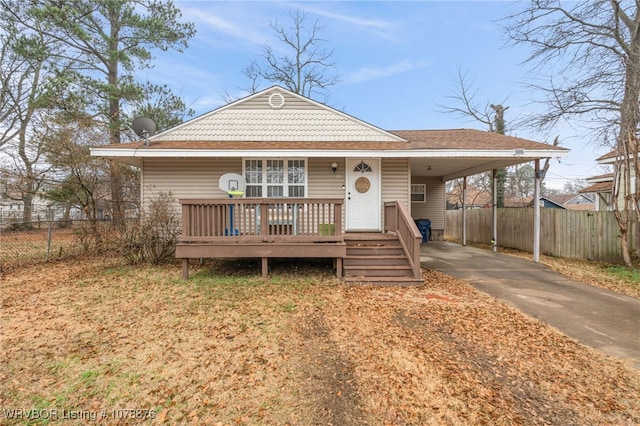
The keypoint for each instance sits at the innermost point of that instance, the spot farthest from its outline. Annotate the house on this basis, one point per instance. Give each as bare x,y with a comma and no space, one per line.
584,201
12,208
319,183
549,203
601,187
476,198
482,198
566,202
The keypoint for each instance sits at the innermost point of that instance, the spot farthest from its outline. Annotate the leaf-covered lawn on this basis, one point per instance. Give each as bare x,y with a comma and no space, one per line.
300,348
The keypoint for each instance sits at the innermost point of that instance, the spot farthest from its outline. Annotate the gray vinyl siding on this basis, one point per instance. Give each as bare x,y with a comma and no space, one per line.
395,180
198,178
323,183
434,207
186,178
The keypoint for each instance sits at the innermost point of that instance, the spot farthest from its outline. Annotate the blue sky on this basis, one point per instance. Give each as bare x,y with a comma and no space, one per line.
397,62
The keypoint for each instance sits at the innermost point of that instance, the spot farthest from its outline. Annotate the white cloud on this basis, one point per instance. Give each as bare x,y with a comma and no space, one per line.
236,27
359,21
376,73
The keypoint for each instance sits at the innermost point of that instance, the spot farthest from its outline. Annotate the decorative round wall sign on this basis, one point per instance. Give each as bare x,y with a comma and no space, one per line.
362,184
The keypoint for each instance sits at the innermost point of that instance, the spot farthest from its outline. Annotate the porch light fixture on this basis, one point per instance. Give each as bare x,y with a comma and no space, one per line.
334,167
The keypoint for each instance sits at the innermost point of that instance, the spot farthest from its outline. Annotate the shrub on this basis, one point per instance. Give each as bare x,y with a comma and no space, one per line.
153,238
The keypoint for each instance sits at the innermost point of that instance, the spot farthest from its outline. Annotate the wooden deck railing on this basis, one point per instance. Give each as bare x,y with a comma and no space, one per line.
398,220
261,219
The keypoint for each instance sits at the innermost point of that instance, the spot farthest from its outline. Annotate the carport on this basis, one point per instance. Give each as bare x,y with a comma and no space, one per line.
455,154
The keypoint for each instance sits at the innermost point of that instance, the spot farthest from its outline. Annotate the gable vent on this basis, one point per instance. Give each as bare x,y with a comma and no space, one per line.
276,101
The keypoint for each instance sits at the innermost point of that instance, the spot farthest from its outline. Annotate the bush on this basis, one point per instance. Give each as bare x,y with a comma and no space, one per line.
153,238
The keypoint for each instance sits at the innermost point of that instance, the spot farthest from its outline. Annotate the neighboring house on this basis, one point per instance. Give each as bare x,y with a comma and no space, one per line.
547,202
603,185
319,183
481,198
602,189
581,201
12,208
43,209
566,202
520,202
477,198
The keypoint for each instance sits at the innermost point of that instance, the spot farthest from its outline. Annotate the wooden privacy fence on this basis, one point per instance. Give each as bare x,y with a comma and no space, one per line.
588,235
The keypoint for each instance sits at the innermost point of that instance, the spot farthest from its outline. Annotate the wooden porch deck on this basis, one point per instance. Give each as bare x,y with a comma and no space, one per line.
290,228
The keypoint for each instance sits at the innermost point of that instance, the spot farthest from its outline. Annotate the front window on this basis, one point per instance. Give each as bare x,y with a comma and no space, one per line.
275,177
253,176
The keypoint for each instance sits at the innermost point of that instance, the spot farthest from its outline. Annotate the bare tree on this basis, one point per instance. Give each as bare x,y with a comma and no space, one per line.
83,180
520,182
464,103
307,69
477,186
490,115
587,59
29,88
105,41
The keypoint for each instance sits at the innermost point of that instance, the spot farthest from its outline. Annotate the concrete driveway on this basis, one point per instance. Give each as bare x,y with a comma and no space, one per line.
599,318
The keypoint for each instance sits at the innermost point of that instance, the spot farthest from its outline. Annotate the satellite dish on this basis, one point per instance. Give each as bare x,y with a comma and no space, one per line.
144,127
233,184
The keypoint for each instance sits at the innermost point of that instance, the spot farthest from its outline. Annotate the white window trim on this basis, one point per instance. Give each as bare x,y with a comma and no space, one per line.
423,192
285,185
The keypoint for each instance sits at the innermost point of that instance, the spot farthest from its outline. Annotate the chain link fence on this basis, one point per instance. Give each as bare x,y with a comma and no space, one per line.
23,243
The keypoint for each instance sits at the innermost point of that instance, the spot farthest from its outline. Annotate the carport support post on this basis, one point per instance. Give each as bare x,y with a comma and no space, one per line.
464,211
536,212
494,230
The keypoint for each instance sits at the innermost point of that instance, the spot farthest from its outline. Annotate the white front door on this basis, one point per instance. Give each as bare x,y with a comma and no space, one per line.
363,195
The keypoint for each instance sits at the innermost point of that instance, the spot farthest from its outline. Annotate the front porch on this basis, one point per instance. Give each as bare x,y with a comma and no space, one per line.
267,228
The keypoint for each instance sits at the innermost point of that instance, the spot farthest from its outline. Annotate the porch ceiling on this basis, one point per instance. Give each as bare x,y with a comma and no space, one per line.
453,168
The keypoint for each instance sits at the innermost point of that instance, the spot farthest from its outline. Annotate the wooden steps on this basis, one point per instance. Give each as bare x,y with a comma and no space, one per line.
376,259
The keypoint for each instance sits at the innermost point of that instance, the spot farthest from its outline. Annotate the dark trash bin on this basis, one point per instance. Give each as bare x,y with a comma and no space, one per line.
424,226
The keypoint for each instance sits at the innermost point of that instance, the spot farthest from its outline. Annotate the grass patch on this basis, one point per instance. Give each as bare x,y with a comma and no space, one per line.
297,348
630,275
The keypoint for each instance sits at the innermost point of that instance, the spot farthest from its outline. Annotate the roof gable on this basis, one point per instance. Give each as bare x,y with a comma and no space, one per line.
276,115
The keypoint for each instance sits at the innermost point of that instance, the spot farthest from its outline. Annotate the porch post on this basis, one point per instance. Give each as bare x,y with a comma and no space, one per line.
536,213
185,269
494,230
464,211
337,214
